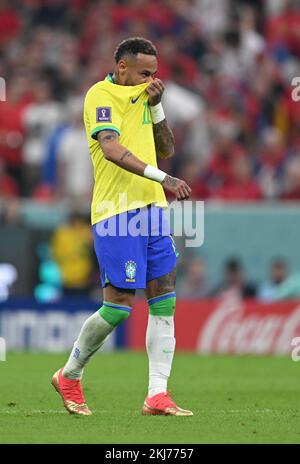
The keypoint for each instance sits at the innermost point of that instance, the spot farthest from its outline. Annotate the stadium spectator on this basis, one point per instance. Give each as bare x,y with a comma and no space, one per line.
234,282
282,28
241,186
49,169
289,289
220,168
186,113
194,284
292,181
12,125
194,176
8,186
11,213
282,284
40,119
10,24
252,44
278,275
72,248
270,162
74,166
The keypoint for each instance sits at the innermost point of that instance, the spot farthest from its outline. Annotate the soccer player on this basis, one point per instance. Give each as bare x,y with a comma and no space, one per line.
126,129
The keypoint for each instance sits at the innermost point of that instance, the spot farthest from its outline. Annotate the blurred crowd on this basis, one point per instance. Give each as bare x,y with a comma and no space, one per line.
227,65
280,284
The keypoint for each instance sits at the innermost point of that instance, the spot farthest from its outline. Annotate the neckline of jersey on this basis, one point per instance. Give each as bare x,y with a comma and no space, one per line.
109,78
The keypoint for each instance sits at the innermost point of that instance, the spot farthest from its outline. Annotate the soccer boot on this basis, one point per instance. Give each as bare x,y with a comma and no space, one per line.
71,393
162,404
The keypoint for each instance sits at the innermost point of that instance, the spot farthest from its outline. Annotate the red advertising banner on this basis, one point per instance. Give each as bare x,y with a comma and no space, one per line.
226,326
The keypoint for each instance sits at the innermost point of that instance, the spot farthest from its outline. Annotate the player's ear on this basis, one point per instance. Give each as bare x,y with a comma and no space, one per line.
122,65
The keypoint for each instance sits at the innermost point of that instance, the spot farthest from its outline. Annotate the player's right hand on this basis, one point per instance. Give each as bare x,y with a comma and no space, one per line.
177,186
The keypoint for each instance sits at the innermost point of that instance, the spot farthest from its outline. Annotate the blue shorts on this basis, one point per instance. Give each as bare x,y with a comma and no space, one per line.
134,247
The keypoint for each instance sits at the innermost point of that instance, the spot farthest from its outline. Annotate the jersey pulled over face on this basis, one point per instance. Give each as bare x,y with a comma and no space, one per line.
125,110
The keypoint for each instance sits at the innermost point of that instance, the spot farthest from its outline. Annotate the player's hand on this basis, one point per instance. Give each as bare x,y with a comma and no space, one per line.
177,186
155,90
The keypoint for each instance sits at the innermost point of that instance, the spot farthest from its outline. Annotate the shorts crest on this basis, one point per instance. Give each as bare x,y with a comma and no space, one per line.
130,269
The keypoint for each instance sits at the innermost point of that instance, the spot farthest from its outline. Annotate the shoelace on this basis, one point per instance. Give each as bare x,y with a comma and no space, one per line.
164,401
73,391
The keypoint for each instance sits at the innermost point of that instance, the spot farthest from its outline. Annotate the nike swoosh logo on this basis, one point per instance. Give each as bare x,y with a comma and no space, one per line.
134,101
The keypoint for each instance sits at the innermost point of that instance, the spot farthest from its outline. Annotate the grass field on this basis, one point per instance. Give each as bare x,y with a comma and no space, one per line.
234,400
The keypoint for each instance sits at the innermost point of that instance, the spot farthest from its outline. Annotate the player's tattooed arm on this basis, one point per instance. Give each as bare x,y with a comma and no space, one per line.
126,153
118,154
177,186
164,140
163,136
107,136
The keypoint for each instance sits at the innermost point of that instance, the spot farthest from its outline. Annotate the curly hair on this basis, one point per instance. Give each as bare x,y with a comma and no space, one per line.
133,46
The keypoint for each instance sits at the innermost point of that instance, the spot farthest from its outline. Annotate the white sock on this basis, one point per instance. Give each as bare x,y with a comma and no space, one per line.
92,335
160,344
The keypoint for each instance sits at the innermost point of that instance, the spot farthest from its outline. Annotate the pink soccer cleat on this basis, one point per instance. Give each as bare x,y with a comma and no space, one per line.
162,404
71,393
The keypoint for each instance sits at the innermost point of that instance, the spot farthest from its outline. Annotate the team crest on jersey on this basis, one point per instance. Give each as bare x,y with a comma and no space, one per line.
103,114
130,270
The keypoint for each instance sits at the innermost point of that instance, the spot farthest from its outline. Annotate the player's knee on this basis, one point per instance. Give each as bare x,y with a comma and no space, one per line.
162,305
113,313
119,296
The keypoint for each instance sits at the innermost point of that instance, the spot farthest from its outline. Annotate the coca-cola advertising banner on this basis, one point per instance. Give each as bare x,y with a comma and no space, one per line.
226,326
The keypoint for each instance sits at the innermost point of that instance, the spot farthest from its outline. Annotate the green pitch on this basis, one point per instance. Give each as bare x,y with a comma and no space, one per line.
234,400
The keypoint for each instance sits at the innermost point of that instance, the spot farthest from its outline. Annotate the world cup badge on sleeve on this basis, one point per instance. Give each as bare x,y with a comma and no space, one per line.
103,114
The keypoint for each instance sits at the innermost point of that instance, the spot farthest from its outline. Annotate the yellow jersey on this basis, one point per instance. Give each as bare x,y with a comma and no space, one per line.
125,110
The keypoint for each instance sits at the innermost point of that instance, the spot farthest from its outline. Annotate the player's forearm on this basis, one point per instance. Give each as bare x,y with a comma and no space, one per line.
118,154
164,140
126,160
163,136
122,157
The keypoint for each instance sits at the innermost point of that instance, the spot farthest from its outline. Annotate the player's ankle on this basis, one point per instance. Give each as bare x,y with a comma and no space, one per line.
71,374
155,391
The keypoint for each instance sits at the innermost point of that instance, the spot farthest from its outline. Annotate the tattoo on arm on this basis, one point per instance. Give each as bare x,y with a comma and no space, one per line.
171,181
107,136
125,154
164,139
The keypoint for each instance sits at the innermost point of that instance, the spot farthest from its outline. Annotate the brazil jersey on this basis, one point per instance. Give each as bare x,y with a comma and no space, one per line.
125,110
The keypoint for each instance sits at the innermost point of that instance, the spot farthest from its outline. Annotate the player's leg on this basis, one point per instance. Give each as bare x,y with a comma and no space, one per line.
67,380
160,344
116,307
160,339
118,258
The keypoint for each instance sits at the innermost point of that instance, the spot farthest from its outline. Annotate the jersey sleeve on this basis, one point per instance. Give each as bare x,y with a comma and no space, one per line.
102,113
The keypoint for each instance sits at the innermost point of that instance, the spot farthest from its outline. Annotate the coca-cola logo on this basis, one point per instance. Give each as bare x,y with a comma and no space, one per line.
229,330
